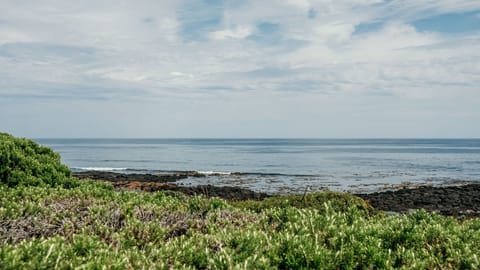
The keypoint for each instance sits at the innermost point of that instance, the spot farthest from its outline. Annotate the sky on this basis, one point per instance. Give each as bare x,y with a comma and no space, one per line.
240,69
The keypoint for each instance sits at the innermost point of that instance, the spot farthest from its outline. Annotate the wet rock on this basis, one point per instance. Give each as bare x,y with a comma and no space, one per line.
116,177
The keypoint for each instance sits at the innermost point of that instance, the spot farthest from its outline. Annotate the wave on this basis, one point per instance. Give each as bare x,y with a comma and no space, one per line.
103,169
281,174
213,173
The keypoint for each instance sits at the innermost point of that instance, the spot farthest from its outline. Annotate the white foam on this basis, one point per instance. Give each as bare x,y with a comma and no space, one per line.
103,169
214,173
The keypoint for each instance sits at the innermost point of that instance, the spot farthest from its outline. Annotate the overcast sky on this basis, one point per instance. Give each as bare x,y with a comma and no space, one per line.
212,68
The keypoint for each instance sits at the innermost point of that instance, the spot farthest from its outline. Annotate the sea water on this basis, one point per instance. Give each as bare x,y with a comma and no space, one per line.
283,165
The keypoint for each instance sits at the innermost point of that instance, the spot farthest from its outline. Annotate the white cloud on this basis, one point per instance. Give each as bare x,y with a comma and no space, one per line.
238,32
156,51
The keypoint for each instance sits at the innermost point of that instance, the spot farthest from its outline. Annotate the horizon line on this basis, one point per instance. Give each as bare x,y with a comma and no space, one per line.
255,138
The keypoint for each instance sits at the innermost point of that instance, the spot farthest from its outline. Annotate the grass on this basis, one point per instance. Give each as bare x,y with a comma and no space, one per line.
92,226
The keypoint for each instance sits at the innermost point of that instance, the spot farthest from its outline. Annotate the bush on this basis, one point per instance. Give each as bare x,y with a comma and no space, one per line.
339,201
92,226
25,162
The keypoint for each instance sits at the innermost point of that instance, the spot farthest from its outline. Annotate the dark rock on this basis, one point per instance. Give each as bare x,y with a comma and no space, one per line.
151,182
448,200
115,177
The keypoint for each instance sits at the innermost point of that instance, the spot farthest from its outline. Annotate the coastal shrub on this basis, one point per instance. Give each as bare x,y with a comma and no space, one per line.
93,226
339,201
25,162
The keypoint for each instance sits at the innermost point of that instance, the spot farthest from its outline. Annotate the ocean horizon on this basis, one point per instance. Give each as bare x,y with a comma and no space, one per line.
284,165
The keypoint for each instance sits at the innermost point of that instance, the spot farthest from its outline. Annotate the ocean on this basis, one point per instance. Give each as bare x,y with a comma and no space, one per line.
283,165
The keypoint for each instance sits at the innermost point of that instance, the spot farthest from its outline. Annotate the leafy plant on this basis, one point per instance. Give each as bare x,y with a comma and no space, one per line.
339,201
24,162
92,226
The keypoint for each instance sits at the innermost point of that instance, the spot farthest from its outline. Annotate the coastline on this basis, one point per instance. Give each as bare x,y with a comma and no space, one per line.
462,199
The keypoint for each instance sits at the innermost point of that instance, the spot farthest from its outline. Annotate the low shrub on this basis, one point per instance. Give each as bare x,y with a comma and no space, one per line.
92,226
339,201
25,162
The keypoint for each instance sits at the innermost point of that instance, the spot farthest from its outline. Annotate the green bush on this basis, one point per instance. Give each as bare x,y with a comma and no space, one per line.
25,162
92,226
339,201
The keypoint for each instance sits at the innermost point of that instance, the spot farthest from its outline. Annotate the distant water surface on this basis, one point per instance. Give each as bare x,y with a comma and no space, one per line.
283,165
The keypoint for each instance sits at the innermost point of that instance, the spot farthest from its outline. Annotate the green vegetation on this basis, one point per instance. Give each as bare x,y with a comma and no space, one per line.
338,200
92,226
24,162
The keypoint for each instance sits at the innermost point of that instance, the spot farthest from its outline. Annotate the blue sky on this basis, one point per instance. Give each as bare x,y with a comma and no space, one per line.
230,68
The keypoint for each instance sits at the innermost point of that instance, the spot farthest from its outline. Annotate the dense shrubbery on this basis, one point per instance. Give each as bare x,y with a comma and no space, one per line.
340,201
92,226
24,162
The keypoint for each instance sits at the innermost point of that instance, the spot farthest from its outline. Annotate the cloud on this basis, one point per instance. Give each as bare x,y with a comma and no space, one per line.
203,52
238,32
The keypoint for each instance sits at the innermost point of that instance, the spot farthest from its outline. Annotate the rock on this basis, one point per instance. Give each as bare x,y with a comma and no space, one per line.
461,200
151,183
115,177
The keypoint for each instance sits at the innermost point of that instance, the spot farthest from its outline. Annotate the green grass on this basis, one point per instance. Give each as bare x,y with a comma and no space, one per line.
92,226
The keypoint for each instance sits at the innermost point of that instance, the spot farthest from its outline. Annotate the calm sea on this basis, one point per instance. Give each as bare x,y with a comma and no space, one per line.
283,165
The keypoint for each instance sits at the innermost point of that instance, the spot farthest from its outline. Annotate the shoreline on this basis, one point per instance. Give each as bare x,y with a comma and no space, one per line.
460,199
166,182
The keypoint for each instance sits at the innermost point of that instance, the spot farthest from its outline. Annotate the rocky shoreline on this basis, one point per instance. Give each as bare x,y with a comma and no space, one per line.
151,182
461,200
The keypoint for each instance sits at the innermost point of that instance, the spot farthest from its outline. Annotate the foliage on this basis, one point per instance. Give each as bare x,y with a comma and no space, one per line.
340,201
24,162
92,226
